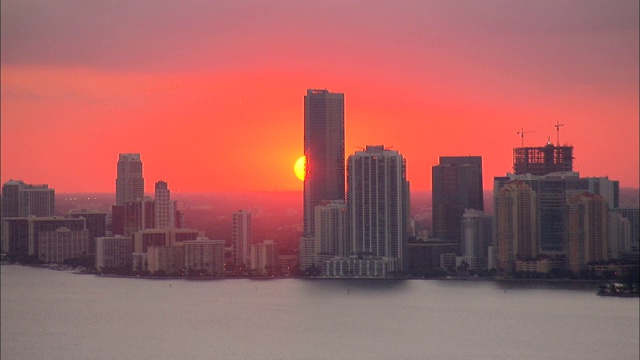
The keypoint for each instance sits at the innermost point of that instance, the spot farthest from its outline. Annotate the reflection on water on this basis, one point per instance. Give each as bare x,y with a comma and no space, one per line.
58,315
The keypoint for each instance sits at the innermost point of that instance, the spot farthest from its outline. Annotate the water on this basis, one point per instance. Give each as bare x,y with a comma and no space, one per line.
59,315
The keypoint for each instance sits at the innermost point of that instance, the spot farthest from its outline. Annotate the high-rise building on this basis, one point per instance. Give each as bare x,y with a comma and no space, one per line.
476,237
324,151
457,185
308,256
619,235
542,160
378,202
241,237
164,207
330,238
133,216
20,200
516,217
633,215
129,183
264,257
331,229
608,189
588,230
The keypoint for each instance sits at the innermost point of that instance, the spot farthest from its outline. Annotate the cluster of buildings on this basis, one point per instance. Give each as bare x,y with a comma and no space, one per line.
356,218
546,217
361,232
140,233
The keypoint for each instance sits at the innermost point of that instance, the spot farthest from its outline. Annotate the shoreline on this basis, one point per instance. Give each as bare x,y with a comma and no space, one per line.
58,267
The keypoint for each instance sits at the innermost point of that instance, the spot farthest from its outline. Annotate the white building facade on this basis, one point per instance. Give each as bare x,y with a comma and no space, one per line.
378,201
241,237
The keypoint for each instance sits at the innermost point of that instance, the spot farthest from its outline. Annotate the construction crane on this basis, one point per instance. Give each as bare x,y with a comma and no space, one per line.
521,133
557,126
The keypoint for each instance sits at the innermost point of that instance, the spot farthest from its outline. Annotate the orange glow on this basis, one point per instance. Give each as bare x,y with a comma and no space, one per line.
299,167
222,108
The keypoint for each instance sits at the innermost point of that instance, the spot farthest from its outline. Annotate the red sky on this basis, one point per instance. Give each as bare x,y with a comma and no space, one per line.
210,93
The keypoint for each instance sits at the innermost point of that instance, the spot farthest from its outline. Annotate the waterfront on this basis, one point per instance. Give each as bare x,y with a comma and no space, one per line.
59,315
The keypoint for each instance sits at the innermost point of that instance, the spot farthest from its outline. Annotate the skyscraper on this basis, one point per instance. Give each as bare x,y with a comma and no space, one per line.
241,237
129,183
331,228
457,185
324,151
477,235
619,235
588,230
516,216
164,210
378,202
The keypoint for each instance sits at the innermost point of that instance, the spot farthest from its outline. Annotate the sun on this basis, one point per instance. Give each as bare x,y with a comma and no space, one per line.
299,167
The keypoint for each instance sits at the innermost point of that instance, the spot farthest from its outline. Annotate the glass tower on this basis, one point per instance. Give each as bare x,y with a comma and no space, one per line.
324,152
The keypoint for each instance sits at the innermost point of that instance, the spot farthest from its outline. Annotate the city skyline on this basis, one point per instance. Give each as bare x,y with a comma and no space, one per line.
184,86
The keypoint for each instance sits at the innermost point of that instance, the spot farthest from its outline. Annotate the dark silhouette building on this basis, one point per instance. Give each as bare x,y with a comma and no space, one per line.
324,151
96,223
133,216
542,160
456,186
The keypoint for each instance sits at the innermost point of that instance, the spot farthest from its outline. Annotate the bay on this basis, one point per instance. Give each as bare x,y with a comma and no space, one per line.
48,314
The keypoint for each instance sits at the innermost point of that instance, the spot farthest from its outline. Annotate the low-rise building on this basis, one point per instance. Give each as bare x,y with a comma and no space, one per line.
424,256
368,267
541,265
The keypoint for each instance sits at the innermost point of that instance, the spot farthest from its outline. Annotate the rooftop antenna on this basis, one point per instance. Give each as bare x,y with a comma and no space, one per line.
521,133
557,126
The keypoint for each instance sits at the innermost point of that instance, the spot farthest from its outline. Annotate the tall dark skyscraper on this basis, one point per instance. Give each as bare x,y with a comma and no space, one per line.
324,151
129,183
457,185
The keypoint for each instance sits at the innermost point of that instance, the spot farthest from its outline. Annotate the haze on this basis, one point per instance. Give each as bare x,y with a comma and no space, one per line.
211,93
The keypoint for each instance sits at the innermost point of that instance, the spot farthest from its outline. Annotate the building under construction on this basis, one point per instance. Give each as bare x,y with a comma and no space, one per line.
542,160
